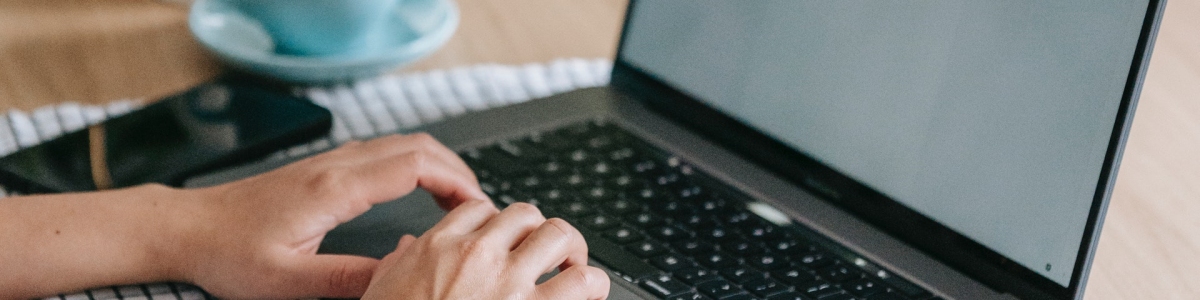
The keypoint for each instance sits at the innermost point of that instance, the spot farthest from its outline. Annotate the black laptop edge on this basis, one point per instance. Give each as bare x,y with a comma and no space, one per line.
888,215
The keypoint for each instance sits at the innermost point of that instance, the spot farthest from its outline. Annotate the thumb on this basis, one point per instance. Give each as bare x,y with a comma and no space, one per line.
332,276
389,261
405,241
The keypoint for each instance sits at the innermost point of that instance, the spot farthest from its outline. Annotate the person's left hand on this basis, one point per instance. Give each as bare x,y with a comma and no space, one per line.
258,237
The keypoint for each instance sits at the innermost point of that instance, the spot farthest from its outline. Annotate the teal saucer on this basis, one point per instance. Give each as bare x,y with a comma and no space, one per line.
244,44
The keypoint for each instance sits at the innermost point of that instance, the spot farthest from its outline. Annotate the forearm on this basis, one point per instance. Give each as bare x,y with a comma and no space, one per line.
59,243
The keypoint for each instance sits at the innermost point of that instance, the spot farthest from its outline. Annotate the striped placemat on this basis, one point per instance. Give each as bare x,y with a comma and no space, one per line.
362,110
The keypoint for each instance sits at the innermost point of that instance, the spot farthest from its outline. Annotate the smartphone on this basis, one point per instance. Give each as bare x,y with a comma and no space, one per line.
208,127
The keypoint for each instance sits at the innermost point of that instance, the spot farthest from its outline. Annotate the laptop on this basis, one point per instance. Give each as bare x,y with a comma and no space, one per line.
821,149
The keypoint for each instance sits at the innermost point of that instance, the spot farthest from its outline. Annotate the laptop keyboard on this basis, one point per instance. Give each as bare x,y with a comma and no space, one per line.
660,223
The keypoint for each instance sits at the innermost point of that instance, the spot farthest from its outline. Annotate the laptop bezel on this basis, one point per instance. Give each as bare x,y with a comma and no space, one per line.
921,232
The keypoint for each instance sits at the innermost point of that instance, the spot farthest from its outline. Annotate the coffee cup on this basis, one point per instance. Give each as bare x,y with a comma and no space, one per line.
319,27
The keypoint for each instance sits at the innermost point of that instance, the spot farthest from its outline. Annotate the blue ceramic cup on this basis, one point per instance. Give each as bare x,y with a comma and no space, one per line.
319,27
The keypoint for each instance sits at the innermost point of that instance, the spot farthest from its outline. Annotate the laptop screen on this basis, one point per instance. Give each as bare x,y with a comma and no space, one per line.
992,118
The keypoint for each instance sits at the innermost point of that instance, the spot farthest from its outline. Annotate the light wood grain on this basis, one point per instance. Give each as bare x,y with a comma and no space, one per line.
96,51
1150,243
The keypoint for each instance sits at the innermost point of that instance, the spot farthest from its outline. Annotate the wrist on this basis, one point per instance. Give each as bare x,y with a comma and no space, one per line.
171,240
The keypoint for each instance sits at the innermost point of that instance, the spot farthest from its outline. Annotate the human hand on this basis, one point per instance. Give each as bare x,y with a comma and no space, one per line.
476,252
258,237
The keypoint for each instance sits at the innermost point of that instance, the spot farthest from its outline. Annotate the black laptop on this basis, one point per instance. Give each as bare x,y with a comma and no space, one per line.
823,149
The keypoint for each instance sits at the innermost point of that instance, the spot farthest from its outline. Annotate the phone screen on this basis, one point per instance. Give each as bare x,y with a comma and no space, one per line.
201,129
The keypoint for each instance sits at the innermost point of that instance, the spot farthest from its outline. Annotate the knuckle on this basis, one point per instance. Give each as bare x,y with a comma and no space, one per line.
472,247
417,160
327,179
564,228
422,138
524,210
332,181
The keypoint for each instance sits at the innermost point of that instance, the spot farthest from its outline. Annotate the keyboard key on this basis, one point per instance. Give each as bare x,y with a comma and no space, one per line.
689,296
719,289
622,154
789,245
687,191
789,296
718,234
840,273
599,222
575,210
529,182
602,169
550,141
647,248
819,288
597,194
743,247
837,297
699,222
764,287
695,276
553,195
693,247
711,204
716,260
552,168
617,259
647,194
574,180
665,286
864,287
813,260
602,142
794,276
733,216
623,235
644,166
579,157
645,220
759,230
621,207
742,296
767,262
623,182
669,233
741,274
671,262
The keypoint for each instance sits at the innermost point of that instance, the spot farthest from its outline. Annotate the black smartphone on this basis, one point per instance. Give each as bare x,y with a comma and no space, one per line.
165,142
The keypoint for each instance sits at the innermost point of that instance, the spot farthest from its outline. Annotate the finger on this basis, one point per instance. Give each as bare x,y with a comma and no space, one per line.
393,145
554,243
405,241
466,218
577,282
389,260
330,276
398,175
513,224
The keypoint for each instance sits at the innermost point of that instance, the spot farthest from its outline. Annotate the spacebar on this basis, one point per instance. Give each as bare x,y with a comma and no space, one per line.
617,259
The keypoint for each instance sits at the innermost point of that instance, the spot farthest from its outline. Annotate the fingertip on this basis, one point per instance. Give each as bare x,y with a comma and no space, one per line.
579,282
405,241
337,276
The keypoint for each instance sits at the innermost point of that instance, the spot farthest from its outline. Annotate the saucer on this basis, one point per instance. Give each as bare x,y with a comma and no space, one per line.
243,43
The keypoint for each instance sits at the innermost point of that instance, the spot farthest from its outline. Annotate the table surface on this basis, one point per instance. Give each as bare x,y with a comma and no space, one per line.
97,51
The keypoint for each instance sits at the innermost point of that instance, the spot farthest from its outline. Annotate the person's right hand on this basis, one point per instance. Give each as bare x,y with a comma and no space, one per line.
477,252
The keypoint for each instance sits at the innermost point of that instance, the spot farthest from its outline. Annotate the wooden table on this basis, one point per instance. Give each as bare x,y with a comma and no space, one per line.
98,51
